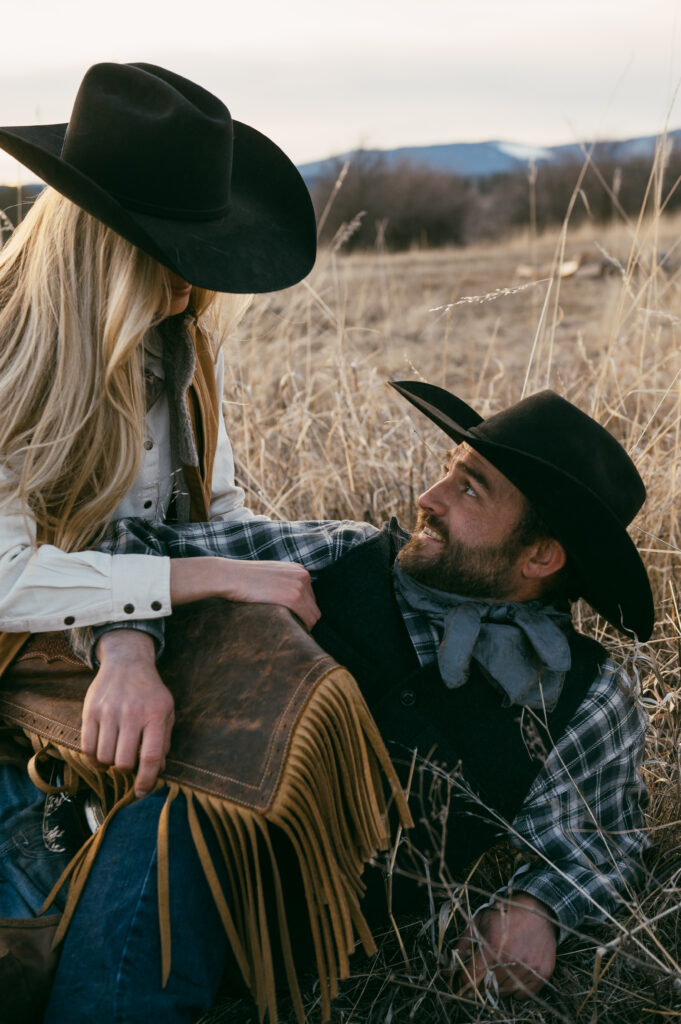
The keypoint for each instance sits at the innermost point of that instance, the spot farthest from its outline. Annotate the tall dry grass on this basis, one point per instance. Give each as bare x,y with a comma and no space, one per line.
318,435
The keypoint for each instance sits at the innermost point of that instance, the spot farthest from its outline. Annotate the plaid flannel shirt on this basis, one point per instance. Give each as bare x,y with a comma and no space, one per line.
581,826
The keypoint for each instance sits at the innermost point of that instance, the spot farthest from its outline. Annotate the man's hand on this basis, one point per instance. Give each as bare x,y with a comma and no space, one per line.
516,942
128,713
286,583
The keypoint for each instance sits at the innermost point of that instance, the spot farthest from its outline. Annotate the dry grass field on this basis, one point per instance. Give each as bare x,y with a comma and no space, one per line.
318,435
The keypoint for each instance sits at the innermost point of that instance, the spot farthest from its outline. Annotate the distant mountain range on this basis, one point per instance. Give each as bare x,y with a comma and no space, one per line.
478,159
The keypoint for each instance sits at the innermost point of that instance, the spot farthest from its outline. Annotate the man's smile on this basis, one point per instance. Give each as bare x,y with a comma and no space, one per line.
428,529
430,534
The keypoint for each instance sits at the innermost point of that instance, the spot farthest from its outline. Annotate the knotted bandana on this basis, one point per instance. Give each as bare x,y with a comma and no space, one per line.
171,342
521,645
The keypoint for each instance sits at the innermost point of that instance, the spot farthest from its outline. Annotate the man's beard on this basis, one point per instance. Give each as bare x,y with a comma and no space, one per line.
482,571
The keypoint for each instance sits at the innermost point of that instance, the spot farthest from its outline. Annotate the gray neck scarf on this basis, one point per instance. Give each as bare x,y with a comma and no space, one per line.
521,645
179,362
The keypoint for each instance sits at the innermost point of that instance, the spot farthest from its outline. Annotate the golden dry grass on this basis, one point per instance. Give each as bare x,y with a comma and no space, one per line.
318,435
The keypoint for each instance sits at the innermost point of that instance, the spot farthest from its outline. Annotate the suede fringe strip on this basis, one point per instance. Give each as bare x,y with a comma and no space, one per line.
330,803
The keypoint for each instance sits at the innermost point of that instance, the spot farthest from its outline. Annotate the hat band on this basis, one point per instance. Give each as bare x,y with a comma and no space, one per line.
172,212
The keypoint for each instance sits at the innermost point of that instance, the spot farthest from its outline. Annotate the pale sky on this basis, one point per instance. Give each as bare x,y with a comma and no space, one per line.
322,78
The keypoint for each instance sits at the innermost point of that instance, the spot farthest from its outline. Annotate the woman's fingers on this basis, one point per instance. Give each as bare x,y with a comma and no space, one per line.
89,736
297,595
107,740
128,712
153,748
285,583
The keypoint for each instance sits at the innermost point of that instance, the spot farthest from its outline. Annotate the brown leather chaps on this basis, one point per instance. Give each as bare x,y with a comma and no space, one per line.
270,734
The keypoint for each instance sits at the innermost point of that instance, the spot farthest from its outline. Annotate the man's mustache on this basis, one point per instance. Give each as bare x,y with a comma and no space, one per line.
426,519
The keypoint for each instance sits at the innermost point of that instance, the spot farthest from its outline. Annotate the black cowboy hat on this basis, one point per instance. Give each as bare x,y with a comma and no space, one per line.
159,159
577,476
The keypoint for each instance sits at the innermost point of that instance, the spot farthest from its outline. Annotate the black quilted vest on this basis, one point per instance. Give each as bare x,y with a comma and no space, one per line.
498,750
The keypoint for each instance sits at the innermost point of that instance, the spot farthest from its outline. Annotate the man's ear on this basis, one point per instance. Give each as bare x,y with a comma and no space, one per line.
544,558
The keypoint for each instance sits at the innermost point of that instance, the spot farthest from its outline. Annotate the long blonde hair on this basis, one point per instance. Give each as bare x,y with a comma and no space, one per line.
76,301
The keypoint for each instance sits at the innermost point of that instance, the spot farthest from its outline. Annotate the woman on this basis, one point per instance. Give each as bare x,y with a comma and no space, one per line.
111,393
94,295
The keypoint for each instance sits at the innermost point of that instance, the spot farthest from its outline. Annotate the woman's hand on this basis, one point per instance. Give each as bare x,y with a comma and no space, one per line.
285,583
128,713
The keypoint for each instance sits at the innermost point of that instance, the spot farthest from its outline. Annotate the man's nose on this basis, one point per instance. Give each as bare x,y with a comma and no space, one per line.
435,499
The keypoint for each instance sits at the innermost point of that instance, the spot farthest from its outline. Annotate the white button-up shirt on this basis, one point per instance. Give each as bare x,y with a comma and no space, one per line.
45,588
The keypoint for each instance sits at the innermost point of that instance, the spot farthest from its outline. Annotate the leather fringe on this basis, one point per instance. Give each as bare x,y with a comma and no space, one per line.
330,803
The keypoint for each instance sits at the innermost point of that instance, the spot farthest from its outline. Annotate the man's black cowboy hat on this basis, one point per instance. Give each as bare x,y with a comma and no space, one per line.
159,159
577,476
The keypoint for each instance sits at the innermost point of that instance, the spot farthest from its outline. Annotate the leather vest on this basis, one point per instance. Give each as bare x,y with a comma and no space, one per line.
494,752
204,411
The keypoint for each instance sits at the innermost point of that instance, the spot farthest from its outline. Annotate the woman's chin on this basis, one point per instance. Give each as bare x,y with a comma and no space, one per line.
179,303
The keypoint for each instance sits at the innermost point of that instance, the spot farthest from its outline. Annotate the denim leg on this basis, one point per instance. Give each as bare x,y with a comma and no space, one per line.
32,856
110,967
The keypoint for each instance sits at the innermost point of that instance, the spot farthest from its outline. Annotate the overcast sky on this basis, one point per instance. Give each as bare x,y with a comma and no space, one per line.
321,77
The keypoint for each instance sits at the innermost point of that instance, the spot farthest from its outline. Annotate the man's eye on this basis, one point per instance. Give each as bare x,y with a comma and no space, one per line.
469,489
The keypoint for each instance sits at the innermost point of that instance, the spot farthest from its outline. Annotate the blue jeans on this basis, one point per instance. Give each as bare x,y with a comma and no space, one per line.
34,847
110,966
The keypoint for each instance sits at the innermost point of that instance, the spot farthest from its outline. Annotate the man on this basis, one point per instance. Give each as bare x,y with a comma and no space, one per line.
460,638
471,626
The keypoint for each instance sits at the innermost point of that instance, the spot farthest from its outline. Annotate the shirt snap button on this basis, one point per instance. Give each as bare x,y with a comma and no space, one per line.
156,606
69,620
148,445
408,697
147,504
128,609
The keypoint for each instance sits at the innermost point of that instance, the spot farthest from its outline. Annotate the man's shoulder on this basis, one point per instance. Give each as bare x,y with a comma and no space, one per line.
605,733
611,704
394,536
612,675
375,545
588,655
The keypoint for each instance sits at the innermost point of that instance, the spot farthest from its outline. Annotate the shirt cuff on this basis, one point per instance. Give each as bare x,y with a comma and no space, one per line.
155,628
561,895
136,593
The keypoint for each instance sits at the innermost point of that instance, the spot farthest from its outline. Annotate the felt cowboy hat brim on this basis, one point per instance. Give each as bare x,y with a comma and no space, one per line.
254,231
578,477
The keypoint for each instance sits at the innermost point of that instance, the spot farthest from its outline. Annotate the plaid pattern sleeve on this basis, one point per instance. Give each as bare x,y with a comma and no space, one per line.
582,822
314,544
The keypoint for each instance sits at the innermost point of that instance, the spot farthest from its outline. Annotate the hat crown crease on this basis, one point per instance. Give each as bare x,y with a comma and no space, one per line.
545,427
142,156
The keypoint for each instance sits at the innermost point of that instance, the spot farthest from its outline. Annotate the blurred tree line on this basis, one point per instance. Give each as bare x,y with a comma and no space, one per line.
370,202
